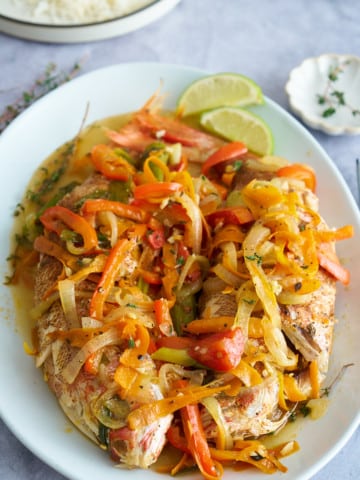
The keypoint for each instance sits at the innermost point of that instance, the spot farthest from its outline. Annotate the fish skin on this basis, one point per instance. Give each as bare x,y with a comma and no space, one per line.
141,448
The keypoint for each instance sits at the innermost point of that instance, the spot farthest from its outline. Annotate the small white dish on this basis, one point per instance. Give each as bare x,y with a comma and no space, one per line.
16,22
324,92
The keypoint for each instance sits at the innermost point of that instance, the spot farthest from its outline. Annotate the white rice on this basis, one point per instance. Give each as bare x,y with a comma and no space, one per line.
78,11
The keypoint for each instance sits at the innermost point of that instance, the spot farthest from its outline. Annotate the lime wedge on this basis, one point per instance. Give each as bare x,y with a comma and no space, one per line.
222,89
237,124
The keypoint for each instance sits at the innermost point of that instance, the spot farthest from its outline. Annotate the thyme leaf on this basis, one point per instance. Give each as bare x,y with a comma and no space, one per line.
333,98
50,79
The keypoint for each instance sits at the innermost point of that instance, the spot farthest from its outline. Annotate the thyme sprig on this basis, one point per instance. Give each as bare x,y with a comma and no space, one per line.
332,98
48,81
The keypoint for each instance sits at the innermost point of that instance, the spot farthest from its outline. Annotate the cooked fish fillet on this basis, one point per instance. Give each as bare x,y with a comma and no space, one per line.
135,448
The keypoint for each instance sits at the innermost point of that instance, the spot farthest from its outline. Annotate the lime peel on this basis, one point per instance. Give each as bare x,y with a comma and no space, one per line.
221,89
238,124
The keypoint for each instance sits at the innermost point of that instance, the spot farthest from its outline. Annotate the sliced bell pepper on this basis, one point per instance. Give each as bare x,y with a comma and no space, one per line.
231,215
123,210
196,439
57,218
115,259
299,171
110,164
156,190
229,151
220,351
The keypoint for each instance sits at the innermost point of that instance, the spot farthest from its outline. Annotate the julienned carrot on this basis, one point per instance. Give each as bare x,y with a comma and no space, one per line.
107,280
329,261
196,439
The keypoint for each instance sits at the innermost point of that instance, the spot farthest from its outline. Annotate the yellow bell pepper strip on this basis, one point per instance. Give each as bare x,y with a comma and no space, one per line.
299,171
110,164
57,218
255,454
229,151
150,412
195,437
107,280
329,261
247,374
292,390
131,212
156,191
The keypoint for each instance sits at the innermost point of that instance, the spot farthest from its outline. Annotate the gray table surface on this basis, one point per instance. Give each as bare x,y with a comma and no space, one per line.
261,39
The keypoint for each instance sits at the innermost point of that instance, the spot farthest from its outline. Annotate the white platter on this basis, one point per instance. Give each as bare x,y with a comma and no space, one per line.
26,404
18,24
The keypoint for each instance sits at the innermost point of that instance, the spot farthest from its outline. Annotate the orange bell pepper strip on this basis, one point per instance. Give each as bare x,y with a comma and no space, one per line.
299,171
156,190
107,280
195,437
131,212
229,151
111,165
329,261
57,218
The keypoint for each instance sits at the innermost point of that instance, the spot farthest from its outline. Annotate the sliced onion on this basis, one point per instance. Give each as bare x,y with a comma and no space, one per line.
276,344
224,439
68,302
72,369
193,230
246,298
203,261
170,372
229,255
228,277
110,219
289,298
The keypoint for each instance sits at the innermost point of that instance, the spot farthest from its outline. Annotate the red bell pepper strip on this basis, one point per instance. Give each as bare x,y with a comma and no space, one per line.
195,437
111,165
107,280
231,215
300,172
220,351
156,190
57,218
131,212
229,151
